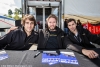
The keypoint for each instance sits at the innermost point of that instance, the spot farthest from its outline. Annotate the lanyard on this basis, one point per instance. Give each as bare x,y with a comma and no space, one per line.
78,38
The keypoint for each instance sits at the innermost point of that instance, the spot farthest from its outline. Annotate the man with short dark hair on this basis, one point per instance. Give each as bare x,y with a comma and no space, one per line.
79,39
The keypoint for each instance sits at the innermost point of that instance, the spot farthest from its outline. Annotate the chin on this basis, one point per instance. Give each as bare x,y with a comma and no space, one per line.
71,30
29,30
52,28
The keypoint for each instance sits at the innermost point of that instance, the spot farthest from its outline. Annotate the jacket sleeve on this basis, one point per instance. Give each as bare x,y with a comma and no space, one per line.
72,46
92,37
5,40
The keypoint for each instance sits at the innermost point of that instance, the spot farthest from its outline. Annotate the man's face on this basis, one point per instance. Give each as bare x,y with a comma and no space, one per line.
29,25
52,23
72,26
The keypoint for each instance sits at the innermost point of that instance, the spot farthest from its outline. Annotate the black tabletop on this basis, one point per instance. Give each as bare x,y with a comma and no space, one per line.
26,59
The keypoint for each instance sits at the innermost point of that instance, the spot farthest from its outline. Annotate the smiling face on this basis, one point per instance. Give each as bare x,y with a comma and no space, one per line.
52,23
72,26
28,22
29,25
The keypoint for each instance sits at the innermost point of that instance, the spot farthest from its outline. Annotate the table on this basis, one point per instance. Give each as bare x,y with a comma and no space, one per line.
26,59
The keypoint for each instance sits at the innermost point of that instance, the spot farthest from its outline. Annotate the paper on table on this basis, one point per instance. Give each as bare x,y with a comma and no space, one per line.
3,55
68,57
64,57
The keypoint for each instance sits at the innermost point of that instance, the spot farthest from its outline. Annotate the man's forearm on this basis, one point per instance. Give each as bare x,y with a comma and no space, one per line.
75,47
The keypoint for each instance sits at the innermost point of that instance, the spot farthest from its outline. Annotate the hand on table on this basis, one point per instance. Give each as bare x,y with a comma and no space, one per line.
90,53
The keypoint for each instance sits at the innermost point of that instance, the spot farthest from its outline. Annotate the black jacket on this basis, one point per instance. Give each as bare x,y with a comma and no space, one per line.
44,35
16,40
86,39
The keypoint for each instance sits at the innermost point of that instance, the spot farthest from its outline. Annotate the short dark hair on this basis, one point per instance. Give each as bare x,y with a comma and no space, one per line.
69,20
66,19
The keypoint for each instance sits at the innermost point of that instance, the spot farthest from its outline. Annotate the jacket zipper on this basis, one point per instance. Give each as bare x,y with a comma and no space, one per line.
28,39
45,42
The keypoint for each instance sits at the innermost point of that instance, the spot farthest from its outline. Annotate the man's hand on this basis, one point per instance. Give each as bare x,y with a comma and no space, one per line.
12,28
90,53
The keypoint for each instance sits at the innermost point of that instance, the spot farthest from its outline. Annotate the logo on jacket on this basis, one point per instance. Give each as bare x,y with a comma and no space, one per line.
83,33
62,36
31,43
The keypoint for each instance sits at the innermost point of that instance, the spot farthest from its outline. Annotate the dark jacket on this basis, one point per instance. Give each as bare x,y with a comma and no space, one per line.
65,24
86,39
17,40
44,35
